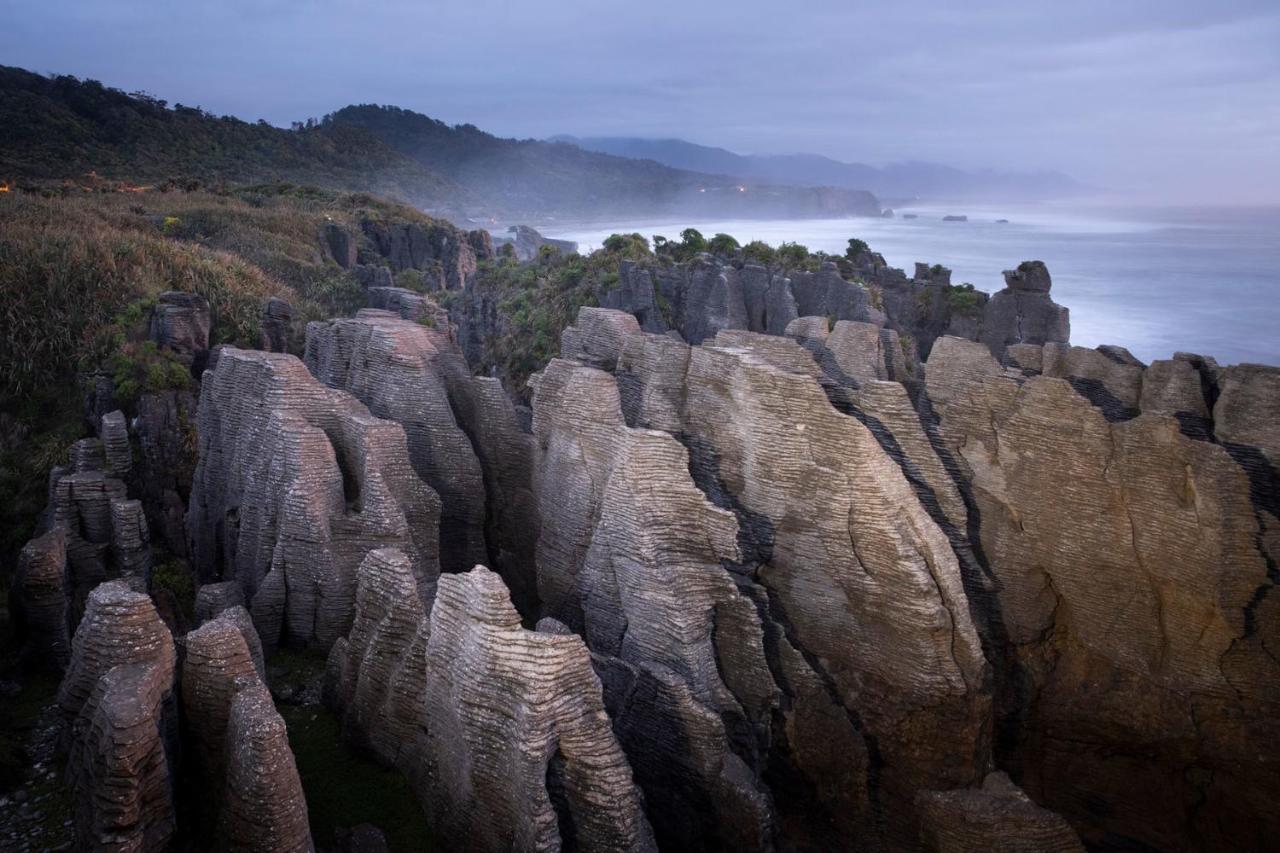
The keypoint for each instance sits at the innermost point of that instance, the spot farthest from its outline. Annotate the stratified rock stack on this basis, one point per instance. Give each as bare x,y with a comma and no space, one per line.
180,322
1023,312
242,749
629,555
447,256
397,369
114,699
1133,569
826,569
41,602
296,483
277,318
501,731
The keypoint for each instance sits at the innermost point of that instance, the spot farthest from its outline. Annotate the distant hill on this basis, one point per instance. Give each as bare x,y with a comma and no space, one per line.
62,128
895,181
542,178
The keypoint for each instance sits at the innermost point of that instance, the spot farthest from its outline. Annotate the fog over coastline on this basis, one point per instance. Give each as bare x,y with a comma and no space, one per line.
1152,101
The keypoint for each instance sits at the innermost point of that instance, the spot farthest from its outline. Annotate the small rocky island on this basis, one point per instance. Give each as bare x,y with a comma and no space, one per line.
696,546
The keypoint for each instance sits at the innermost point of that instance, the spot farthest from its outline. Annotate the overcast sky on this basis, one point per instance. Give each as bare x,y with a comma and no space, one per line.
1173,99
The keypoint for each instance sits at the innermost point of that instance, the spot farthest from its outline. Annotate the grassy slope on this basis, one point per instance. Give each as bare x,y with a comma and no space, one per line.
78,272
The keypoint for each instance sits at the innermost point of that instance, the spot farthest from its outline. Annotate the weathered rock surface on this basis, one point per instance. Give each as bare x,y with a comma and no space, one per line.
446,255
296,483
277,320
1132,577
341,243
996,818
41,598
526,243
242,748
117,453
797,685
113,698
397,368
180,322
1023,312
165,428
501,731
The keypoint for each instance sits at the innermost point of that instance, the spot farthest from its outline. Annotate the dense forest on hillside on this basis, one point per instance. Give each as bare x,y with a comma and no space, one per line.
59,129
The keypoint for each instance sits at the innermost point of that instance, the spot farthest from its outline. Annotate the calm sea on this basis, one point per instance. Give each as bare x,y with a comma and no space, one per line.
1157,281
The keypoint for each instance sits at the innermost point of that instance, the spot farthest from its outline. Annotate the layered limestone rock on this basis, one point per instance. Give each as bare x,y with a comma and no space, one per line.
630,555
501,731
446,255
263,805
1132,577
296,483
526,243
341,243
242,748
180,322
1023,312
41,602
397,368
118,455
596,338
106,534
277,320
996,818
800,705
505,451
165,428
114,699
836,560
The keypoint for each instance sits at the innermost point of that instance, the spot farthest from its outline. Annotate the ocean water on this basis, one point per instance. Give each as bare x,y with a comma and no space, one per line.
1156,281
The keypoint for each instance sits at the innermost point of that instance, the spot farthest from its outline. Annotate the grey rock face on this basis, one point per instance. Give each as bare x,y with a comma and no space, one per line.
180,322
341,245
113,698
165,428
502,731
598,336
397,369
446,255
1023,311
41,596
277,320
371,276
296,483
114,433
741,404
242,749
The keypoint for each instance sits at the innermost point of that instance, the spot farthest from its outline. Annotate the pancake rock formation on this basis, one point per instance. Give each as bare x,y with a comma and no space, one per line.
501,731
296,482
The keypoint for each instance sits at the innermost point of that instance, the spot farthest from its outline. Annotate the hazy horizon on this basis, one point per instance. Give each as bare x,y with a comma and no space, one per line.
1157,102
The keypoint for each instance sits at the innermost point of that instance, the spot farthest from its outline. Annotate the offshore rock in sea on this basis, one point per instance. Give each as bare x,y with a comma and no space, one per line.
501,731
397,368
1131,564
296,483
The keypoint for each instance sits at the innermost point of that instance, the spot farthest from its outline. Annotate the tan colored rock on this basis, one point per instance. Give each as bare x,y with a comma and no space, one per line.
296,483
501,731
996,818
597,336
1129,562
397,368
